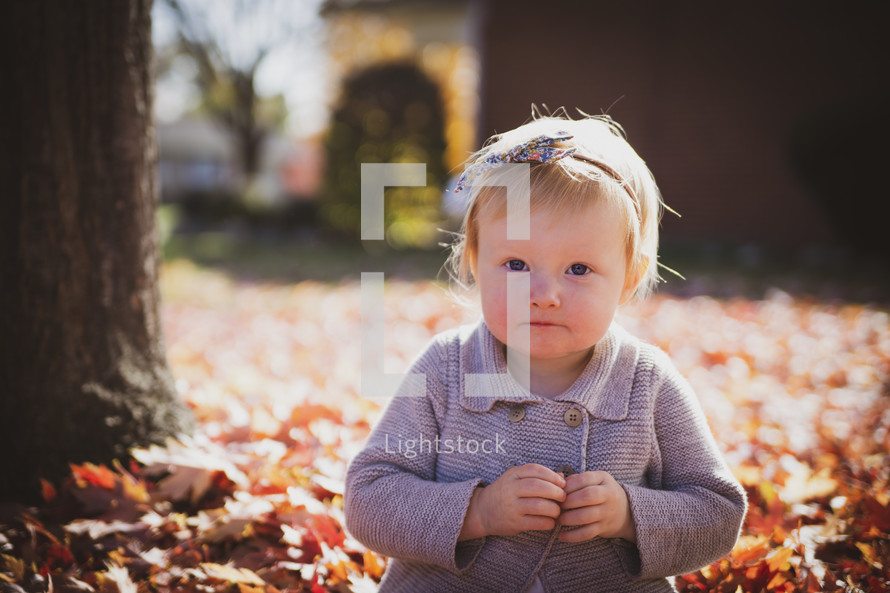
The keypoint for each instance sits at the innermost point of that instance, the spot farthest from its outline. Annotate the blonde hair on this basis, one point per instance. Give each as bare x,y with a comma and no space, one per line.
603,167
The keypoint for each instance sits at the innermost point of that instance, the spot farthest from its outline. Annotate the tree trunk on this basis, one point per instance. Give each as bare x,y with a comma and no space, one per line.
84,371
248,132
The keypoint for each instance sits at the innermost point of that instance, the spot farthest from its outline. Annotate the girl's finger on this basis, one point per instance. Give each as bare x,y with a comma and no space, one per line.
537,488
539,506
534,470
580,534
582,516
537,523
587,496
591,478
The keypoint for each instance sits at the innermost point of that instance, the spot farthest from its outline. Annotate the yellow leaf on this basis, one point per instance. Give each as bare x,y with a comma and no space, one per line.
778,559
803,485
230,574
778,579
868,553
748,475
115,579
373,565
14,565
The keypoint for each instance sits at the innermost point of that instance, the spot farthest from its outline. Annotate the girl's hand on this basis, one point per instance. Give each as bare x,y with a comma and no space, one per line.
599,505
524,498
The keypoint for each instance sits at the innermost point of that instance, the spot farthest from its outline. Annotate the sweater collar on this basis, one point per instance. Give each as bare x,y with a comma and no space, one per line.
603,388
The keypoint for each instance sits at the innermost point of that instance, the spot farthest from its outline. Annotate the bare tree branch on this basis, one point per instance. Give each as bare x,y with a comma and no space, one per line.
228,42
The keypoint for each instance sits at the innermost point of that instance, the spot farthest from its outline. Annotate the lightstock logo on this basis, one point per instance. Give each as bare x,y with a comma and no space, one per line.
375,177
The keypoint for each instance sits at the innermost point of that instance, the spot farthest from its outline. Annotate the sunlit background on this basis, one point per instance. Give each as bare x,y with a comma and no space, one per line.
267,109
763,126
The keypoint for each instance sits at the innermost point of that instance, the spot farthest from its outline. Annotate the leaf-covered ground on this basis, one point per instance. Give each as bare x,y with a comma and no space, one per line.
797,393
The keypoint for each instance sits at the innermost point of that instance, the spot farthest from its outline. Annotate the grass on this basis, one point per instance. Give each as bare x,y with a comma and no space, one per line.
291,260
289,254
269,251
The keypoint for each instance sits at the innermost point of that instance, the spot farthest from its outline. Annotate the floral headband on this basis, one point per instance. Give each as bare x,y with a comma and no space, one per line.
540,149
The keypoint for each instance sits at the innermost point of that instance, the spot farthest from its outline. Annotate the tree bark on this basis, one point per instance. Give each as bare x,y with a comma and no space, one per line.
242,120
84,370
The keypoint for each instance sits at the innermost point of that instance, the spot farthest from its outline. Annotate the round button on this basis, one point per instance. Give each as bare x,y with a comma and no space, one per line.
517,413
572,417
565,470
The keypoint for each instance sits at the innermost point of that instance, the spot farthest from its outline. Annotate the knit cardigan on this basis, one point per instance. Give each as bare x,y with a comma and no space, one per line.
408,490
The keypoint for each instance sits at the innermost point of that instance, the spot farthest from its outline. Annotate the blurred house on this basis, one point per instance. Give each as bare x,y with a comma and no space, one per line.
198,160
763,123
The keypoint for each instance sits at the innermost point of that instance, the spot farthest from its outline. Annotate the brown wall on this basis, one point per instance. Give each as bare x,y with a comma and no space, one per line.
709,94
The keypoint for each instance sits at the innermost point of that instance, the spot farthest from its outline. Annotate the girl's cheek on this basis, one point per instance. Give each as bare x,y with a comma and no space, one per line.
494,313
494,310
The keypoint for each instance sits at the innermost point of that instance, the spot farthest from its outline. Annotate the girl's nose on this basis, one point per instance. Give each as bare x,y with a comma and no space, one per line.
544,291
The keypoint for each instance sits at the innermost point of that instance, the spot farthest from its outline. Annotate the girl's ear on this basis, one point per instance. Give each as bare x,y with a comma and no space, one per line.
633,279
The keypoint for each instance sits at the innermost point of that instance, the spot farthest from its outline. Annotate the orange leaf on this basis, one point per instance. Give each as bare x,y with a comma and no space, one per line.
812,583
749,549
778,579
47,490
326,529
776,561
97,475
373,566
303,415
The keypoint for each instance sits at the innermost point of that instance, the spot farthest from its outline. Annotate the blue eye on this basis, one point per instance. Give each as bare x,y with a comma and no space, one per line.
516,265
578,269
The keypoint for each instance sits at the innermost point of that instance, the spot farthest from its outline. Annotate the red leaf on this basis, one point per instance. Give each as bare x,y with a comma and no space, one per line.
47,490
326,529
59,555
97,475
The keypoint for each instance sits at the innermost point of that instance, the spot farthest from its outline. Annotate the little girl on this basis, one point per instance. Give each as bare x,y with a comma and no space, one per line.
585,462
